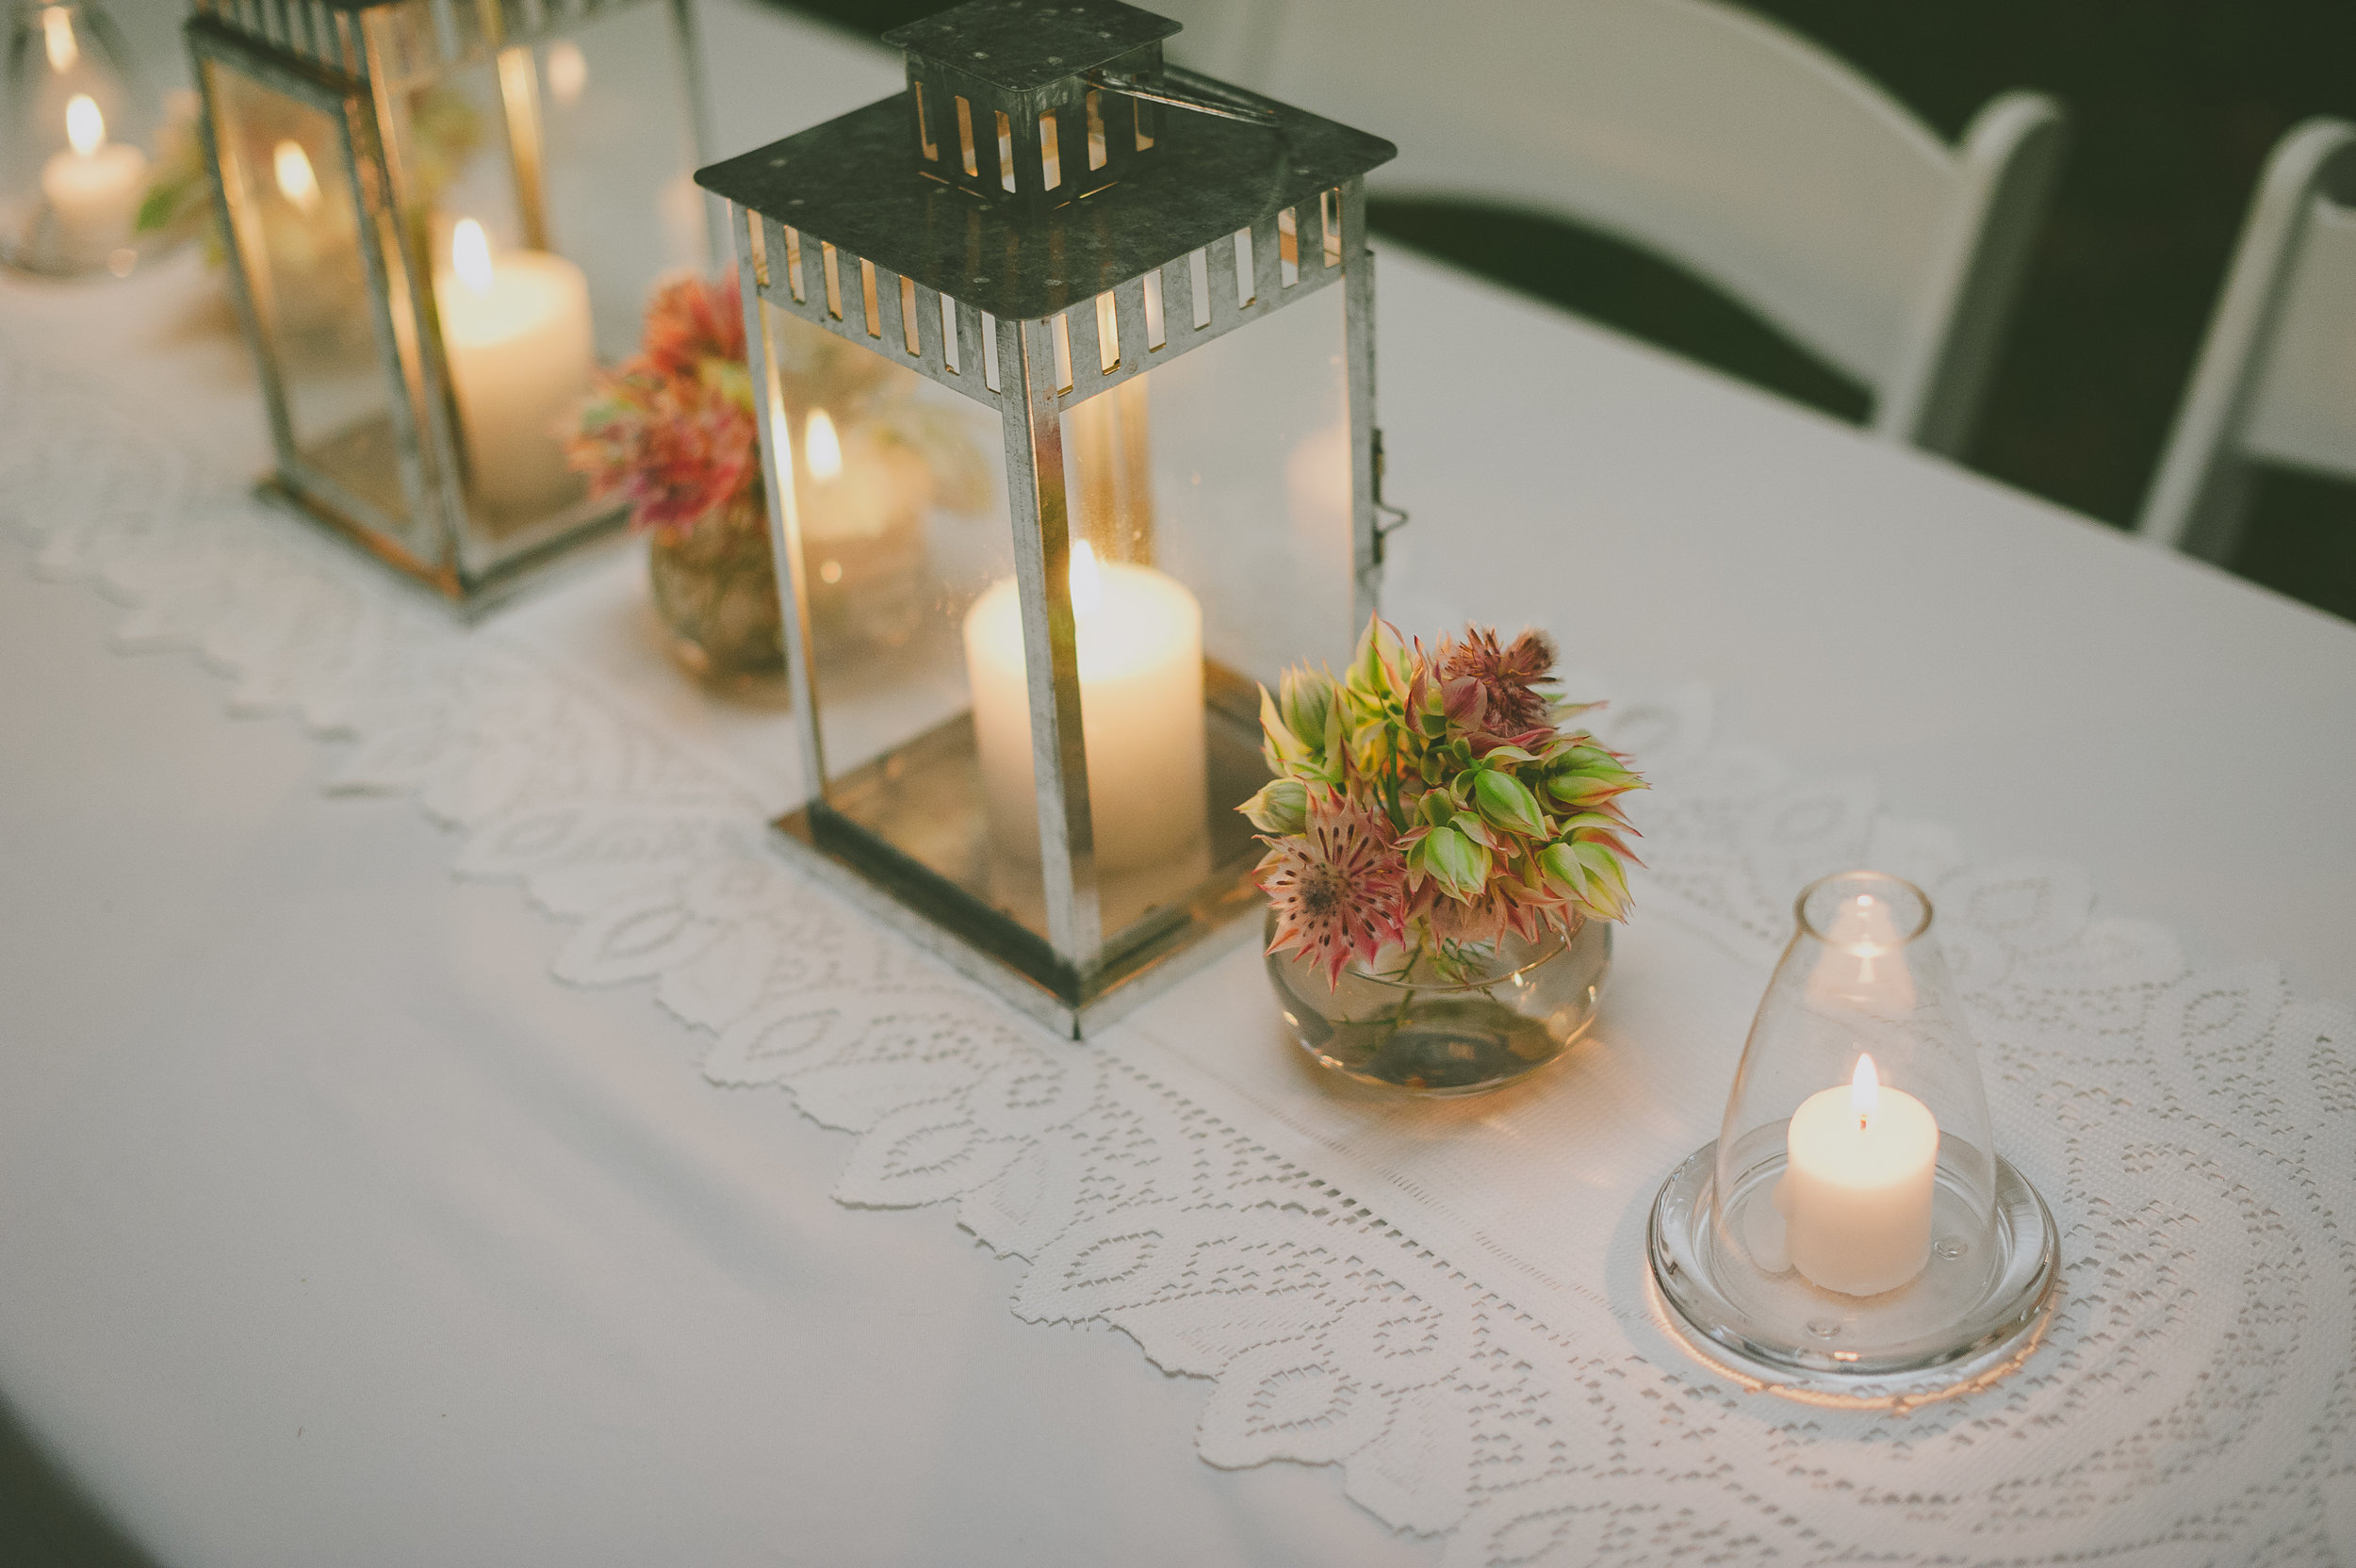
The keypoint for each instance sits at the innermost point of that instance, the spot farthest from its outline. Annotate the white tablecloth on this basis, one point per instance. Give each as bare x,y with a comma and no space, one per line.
341,1234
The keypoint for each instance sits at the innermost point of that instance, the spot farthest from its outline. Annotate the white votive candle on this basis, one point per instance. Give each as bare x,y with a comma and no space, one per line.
1856,1191
1139,640
517,334
93,187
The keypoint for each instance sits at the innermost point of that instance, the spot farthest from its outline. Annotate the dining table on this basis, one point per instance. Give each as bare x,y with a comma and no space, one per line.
440,1128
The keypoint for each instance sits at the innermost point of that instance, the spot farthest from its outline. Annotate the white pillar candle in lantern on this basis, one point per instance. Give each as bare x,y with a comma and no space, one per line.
1139,644
517,335
93,187
1856,1193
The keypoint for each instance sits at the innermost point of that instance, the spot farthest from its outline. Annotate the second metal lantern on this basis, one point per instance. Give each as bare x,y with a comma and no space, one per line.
443,214
1146,296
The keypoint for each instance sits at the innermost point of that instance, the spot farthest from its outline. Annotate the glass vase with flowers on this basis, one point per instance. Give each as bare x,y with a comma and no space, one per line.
671,429
1447,851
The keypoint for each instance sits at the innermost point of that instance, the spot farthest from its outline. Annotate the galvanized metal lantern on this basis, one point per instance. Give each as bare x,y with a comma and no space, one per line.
442,214
1151,293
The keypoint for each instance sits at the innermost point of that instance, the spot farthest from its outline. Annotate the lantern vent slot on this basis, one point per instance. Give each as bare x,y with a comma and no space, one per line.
989,350
1245,291
834,278
1107,333
1137,121
1063,350
965,136
756,244
949,356
1006,151
1155,335
1288,247
867,296
794,263
1330,214
909,318
1199,274
1050,159
924,126
1096,129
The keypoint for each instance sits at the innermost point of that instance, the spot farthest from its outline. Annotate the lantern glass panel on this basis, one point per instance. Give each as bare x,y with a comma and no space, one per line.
487,195
287,163
1209,510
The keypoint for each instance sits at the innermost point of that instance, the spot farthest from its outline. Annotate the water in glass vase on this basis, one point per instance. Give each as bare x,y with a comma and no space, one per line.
1407,1022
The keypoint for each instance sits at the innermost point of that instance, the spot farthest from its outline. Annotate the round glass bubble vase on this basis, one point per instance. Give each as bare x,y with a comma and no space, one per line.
1398,1024
714,583
1853,1221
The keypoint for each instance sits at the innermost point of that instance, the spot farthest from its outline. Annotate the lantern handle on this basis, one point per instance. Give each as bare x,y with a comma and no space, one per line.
1223,108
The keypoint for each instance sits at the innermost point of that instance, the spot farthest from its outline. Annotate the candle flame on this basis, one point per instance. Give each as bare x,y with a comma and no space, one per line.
820,447
296,181
1087,580
1865,1091
85,128
57,33
568,72
470,257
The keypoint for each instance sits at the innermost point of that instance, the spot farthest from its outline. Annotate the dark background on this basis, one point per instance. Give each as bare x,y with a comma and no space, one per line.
2173,106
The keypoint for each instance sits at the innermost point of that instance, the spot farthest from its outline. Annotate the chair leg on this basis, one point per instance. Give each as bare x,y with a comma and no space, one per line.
2213,527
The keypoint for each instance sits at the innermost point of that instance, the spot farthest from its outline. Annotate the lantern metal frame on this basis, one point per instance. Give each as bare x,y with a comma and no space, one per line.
345,59
850,228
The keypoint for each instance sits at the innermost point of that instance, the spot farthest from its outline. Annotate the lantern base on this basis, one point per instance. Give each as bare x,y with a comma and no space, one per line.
979,943
470,594
1969,1315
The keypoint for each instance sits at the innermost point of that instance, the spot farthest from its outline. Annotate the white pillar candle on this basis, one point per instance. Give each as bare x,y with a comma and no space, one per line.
1139,642
1856,1191
93,187
517,334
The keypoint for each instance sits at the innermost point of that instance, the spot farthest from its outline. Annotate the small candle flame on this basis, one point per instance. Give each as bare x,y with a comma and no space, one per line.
820,447
568,72
85,128
1865,1091
57,34
295,180
470,257
1087,580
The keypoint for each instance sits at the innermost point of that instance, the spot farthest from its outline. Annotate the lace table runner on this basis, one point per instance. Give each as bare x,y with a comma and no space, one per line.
1448,1302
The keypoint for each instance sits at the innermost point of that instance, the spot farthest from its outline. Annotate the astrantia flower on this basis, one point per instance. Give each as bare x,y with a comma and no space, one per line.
692,320
1338,888
1504,677
676,449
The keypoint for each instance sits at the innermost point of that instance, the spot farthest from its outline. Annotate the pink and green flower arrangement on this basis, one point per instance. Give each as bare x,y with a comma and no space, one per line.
1433,800
670,430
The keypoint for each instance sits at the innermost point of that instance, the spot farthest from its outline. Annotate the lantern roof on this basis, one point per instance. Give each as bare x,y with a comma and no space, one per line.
1022,46
849,183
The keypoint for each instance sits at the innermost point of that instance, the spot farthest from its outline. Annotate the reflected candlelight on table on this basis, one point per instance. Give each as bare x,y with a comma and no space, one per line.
1856,1194
1139,637
517,334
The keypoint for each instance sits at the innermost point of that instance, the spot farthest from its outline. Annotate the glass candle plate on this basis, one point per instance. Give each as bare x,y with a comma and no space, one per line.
1974,1304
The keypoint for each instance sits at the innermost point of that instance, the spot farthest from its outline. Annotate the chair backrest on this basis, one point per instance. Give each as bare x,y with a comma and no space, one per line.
1730,145
2276,381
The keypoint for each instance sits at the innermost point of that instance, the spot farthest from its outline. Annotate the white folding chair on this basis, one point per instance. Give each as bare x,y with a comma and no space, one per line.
2276,381
1721,141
